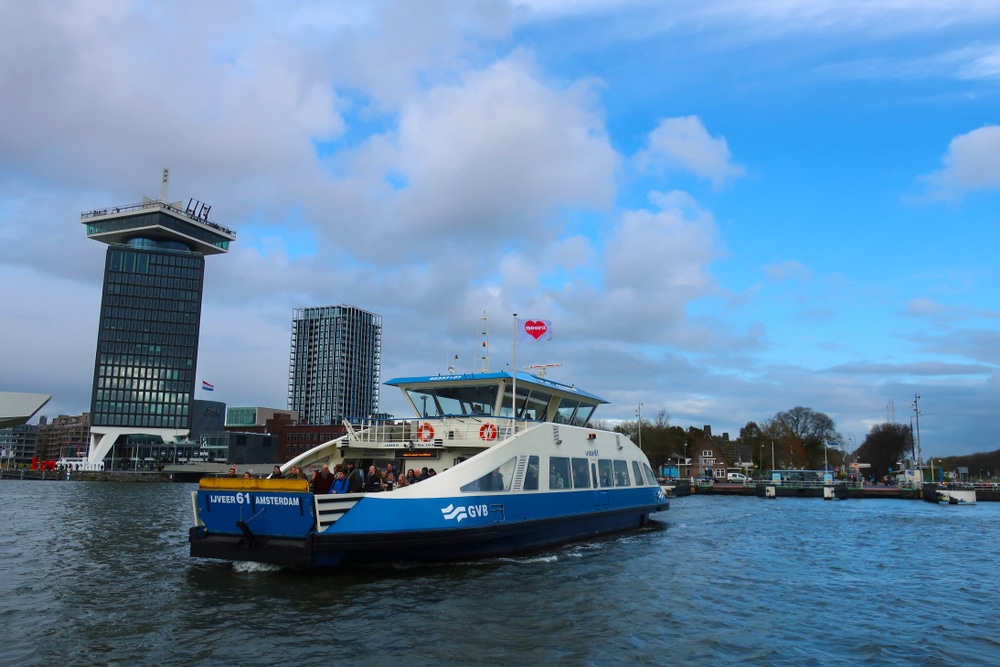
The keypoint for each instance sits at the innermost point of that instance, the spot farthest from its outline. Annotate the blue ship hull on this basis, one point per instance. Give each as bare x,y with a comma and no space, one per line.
378,529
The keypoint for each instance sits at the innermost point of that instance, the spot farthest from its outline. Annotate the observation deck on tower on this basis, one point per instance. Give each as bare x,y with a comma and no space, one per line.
160,223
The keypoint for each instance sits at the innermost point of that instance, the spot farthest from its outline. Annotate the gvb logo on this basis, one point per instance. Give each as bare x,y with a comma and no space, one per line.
458,513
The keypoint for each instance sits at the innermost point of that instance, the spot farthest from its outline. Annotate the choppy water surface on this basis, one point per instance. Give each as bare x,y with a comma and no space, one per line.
99,574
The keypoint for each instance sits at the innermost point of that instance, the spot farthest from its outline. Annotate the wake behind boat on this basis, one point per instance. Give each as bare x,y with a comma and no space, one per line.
511,482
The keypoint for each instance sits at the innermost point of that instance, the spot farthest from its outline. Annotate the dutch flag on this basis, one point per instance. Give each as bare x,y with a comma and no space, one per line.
206,386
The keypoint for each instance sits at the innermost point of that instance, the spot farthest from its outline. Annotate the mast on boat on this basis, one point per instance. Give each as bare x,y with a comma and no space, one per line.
484,345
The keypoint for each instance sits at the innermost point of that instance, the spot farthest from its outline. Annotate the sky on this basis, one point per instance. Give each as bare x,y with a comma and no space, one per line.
725,208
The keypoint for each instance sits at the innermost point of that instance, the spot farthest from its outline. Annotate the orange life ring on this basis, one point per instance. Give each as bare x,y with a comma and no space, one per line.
488,432
425,431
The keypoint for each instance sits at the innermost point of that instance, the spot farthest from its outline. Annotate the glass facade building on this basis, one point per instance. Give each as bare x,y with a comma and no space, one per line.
147,339
336,357
147,342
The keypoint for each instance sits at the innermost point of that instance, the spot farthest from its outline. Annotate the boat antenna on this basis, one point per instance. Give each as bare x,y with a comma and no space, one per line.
541,368
484,344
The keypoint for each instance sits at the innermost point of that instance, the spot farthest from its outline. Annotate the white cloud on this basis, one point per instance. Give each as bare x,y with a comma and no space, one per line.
684,144
788,270
971,163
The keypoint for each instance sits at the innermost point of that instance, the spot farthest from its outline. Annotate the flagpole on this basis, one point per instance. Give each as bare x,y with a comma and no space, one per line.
513,395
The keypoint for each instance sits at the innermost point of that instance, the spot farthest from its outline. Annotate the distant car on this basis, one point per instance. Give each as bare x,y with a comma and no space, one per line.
736,478
704,479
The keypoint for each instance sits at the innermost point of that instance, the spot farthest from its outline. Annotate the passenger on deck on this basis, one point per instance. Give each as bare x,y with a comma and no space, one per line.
232,471
340,485
276,473
247,475
390,482
496,481
373,482
355,482
322,480
296,473
391,470
411,477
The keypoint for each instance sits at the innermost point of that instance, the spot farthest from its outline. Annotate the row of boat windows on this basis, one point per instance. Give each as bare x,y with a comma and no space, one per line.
565,473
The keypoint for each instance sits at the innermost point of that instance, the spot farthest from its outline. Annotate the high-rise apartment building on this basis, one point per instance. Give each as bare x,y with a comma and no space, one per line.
336,357
147,340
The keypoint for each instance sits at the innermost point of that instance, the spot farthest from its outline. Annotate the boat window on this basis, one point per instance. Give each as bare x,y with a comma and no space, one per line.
531,404
638,474
567,408
531,474
581,474
573,411
454,400
650,477
621,473
559,472
497,479
604,473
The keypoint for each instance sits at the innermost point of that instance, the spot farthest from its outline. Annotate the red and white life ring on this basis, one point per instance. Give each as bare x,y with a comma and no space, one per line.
488,432
425,432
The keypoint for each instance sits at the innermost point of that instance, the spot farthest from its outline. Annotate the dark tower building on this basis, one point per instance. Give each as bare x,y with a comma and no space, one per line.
335,361
147,340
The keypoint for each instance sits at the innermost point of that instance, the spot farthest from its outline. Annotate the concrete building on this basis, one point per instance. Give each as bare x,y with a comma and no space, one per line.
147,340
336,357
17,445
65,437
254,419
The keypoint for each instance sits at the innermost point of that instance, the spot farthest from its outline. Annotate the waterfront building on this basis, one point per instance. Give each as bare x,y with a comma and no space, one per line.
147,340
17,444
335,362
65,437
253,419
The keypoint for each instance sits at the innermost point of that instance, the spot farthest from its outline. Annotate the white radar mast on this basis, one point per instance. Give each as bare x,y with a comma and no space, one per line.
541,368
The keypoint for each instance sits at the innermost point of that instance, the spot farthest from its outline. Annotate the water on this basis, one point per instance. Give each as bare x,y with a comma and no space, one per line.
99,574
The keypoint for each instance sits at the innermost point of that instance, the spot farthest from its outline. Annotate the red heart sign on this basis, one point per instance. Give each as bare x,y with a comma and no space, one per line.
535,328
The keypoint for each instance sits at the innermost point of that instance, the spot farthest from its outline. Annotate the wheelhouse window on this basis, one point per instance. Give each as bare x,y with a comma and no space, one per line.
574,412
532,404
454,400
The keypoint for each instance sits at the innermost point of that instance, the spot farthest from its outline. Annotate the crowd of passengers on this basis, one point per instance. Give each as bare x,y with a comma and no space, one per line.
348,478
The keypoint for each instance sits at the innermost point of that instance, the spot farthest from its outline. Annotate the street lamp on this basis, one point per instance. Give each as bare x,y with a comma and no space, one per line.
916,411
638,414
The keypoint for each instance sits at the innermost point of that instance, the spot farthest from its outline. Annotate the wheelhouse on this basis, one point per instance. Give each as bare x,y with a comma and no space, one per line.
492,395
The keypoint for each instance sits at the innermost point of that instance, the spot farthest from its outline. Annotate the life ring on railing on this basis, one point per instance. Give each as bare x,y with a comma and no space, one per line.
425,432
488,432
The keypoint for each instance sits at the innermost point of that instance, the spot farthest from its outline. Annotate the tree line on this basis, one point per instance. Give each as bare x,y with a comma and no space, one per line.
796,438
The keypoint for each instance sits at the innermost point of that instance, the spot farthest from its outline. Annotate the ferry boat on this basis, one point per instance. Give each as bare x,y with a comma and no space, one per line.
507,482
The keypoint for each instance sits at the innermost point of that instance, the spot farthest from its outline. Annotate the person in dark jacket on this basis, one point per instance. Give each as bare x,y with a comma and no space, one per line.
373,482
322,480
355,482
